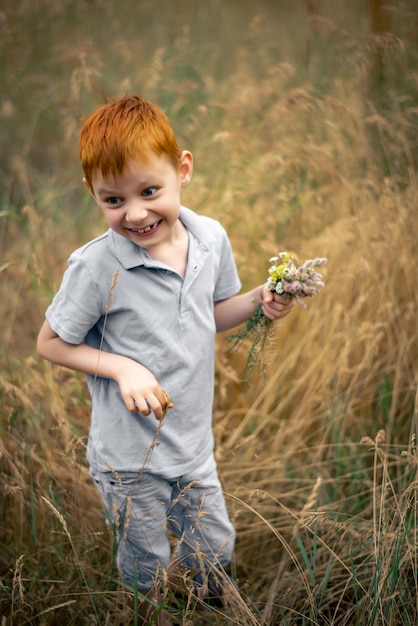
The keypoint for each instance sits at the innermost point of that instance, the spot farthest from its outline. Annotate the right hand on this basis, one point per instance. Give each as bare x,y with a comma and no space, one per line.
141,391
139,388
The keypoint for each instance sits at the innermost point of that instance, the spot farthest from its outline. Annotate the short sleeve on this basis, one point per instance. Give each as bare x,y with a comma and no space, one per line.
77,306
228,283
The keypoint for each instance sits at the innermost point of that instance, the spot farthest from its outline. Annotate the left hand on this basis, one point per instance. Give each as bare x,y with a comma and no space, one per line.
274,306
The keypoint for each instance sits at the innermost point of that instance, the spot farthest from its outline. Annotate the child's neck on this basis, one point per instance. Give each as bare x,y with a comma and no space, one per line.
173,253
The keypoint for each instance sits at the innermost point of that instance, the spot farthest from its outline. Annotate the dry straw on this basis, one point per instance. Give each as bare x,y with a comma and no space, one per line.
314,153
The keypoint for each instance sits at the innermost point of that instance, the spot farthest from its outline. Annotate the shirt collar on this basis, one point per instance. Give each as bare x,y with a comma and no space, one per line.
131,255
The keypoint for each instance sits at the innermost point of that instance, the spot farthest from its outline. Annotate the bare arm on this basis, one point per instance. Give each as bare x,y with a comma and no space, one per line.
236,310
138,386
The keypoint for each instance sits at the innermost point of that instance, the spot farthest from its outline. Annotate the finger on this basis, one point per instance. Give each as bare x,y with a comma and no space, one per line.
139,406
163,403
266,294
281,307
283,298
167,402
130,404
157,406
277,310
273,308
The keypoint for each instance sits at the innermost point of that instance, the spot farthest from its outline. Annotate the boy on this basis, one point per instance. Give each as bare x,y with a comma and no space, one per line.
137,312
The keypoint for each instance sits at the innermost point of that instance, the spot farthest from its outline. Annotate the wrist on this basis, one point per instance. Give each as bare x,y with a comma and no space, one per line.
114,366
259,298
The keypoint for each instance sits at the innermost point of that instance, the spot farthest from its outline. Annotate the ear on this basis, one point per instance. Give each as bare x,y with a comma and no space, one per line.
186,167
89,188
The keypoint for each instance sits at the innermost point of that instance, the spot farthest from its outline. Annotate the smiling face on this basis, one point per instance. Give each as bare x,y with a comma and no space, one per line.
143,203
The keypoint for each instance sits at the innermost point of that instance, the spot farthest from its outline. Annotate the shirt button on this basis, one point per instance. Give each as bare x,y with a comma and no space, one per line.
195,268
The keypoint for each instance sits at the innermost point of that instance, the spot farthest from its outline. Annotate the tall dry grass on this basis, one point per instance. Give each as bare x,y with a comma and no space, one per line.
302,121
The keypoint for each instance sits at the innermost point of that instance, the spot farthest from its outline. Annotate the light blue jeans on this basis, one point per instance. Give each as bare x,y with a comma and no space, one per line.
143,506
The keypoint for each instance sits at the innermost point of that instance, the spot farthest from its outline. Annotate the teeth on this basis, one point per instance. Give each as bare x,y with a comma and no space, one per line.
147,229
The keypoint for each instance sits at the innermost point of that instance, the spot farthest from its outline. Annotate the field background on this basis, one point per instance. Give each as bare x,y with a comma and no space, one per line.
302,117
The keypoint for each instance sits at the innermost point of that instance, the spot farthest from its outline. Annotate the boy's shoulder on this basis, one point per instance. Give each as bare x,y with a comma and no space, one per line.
107,250
203,227
93,246
104,251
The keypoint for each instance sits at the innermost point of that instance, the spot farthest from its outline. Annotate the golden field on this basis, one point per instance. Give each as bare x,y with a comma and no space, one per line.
303,120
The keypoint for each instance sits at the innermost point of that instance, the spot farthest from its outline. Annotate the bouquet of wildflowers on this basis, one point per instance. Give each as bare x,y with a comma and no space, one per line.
289,280
299,282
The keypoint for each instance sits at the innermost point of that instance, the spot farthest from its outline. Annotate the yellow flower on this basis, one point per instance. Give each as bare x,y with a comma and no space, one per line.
284,278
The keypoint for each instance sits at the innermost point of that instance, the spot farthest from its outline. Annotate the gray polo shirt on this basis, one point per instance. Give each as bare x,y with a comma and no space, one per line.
113,294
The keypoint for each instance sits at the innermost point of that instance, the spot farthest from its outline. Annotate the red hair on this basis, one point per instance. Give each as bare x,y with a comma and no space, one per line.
126,128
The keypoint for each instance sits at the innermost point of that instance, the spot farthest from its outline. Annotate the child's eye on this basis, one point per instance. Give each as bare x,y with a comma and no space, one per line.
151,191
114,201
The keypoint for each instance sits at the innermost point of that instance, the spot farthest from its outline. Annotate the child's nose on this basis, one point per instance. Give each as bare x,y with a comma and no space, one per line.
136,210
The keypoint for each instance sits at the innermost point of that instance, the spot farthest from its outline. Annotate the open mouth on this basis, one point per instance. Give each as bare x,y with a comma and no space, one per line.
147,230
